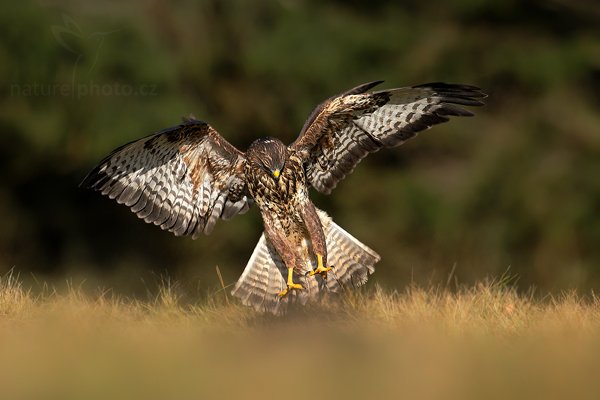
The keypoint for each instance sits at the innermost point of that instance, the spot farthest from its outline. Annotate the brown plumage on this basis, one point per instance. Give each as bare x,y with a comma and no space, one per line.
185,178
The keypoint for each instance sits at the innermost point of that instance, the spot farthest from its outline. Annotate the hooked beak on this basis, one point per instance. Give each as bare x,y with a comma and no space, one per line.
276,173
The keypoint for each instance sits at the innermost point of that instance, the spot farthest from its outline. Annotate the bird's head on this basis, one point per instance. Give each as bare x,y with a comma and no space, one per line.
269,155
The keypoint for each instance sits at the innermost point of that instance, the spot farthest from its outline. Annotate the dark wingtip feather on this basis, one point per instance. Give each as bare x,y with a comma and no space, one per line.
362,88
85,183
456,90
190,120
91,179
450,109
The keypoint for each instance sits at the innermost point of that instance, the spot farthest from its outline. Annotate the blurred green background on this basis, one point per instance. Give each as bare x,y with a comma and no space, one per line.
517,187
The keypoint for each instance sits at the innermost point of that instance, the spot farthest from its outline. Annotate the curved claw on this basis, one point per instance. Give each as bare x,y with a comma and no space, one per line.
321,269
293,286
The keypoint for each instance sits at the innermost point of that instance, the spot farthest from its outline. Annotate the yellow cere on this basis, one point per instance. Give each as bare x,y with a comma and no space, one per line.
276,173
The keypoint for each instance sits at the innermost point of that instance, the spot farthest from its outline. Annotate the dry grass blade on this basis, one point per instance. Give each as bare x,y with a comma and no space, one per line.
485,341
222,284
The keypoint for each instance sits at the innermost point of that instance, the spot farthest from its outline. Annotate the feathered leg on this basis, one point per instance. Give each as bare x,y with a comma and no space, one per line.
317,238
287,254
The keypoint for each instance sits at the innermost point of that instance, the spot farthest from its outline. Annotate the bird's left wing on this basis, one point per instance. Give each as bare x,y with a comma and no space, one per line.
182,179
345,128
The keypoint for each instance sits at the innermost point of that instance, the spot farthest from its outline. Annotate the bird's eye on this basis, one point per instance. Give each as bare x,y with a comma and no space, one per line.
265,167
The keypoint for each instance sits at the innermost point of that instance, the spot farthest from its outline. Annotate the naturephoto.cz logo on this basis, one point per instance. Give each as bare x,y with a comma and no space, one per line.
86,48
79,90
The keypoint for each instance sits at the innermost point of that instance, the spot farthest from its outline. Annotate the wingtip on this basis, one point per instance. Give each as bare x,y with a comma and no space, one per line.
455,88
88,181
192,120
363,87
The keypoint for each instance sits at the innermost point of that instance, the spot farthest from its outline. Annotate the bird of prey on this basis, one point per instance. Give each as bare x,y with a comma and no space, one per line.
185,178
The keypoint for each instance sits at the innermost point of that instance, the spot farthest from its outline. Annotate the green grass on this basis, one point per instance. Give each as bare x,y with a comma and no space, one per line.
481,342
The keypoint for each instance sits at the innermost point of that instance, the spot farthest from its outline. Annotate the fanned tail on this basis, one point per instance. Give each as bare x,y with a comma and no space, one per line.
265,274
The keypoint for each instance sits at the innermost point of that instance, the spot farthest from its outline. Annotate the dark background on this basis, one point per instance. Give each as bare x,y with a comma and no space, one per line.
517,188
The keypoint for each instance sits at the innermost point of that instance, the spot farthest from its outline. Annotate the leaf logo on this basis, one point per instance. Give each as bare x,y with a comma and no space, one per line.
72,38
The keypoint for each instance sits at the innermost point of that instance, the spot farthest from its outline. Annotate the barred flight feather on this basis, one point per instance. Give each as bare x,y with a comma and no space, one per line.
360,123
182,179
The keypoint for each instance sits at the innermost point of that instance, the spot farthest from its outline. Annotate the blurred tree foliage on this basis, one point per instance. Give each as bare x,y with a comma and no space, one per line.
517,186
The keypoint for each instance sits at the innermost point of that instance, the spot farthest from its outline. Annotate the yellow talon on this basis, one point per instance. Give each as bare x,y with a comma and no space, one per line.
290,284
321,270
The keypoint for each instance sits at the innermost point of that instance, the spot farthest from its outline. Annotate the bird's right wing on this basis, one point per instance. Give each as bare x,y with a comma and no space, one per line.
182,179
346,128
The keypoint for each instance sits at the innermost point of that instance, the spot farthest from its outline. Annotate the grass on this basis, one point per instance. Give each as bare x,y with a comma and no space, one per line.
481,342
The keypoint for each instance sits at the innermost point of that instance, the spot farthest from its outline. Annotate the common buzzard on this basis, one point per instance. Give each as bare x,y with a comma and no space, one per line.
185,178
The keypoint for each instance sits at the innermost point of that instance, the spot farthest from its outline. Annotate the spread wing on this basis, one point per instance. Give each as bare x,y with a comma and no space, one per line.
345,128
182,179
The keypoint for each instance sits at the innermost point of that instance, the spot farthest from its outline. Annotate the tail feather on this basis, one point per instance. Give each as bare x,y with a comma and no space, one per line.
265,274
353,261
